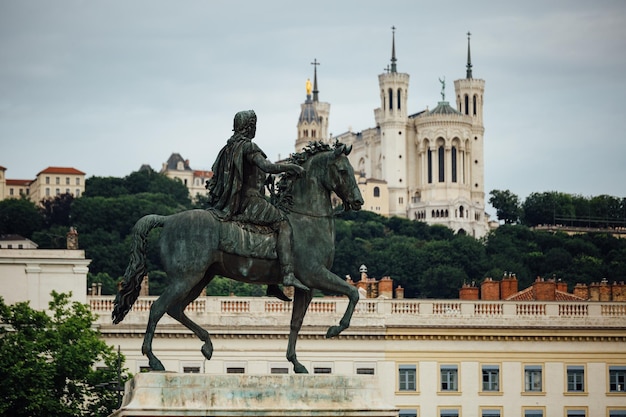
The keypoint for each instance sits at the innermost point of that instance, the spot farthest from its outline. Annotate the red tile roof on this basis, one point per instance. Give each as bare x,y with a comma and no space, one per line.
17,183
61,170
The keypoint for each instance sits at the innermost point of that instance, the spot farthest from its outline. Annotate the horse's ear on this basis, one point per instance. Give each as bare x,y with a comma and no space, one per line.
340,149
347,150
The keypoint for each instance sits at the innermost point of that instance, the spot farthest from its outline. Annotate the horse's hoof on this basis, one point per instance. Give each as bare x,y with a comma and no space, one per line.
333,331
207,351
300,369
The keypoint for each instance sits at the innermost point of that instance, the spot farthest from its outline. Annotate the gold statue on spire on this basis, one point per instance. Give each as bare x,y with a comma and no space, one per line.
309,88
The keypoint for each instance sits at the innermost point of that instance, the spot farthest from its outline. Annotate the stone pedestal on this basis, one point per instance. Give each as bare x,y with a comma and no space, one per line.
173,394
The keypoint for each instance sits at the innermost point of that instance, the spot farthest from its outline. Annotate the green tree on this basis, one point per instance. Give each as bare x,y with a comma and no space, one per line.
57,211
507,205
19,216
48,362
548,208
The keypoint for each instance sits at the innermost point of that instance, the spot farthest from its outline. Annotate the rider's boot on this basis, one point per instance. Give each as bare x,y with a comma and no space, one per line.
283,249
274,290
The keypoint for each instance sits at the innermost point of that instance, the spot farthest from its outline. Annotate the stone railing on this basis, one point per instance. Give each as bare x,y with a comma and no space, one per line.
387,312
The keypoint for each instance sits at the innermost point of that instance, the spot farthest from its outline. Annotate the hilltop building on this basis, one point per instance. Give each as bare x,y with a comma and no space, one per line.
178,168
426,166
48,183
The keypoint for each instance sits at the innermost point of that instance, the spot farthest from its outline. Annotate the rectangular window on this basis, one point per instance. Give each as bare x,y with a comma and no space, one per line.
10,191
489,412
576,413
58,191
617,378
449,412
449,377
400,200
77,194
617,413
47,192
235,370
575,378
67,180
533,378
191,369
491,377
408,413
322,370
406,374
365,371
533,413
57,180
78,181
279,370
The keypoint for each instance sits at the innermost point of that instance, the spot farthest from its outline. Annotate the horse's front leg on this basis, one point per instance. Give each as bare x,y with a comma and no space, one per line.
301,301
327,281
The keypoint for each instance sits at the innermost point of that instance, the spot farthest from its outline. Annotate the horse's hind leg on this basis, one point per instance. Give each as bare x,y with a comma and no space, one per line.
177,311
159,307
301,301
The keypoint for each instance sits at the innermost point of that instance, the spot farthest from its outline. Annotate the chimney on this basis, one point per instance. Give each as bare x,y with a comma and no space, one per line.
561,285
605,290
582,291
544,290
618,291
594,291
468,292
508,286
399,293
385,287
490,290
144,290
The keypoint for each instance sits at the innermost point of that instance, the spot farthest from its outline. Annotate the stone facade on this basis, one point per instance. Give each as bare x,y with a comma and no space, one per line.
49,183
431,162
195,180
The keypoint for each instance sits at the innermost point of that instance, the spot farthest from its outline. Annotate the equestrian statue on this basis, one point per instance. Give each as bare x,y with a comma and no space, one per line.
244,237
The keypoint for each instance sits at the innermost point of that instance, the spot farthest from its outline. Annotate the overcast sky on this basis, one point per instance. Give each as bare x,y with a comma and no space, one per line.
106,86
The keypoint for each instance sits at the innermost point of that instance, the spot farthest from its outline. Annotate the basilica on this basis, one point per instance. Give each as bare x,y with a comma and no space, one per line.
426,166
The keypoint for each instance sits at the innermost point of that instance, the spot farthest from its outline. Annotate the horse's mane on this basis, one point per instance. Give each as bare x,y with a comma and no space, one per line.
282,196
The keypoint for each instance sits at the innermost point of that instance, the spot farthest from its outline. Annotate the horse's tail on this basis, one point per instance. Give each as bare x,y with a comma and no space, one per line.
136,269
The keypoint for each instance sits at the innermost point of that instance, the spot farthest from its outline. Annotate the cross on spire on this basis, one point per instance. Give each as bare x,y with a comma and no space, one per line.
315,91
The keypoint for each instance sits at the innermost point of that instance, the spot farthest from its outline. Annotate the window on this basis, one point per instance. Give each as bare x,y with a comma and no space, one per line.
47,192
47,180
449,377
430,166
490,412
617,413
57,180
617,378
279,370
399,98
449,412
441,155
533,412
453,164
77,181
366,369
322,370
491,377
408,413
576,413
400,200
376,192
67,180
191,369
235,370
10,191
533,378
466,104
58,191
474,106
406,374
77,194
575,379
390,99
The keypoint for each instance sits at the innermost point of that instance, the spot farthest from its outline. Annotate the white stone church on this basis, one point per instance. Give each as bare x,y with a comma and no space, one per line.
426,166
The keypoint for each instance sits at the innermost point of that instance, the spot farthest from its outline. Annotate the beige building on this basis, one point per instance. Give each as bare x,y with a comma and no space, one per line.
178,168
49,183
431,161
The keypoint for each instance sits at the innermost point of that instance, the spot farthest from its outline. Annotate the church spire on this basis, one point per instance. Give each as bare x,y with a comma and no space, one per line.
393,50
315,90
468,73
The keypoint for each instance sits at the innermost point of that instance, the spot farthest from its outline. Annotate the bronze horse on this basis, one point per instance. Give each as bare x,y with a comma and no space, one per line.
192,242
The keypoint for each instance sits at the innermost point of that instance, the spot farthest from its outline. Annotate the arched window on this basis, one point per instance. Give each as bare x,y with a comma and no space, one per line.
313,134
390,99
474,105
376,192
454,164
461,212
446,213
430,166
466,104
432,214
442,166
399,98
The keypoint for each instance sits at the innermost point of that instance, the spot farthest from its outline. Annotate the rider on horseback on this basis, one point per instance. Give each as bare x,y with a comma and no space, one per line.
237,191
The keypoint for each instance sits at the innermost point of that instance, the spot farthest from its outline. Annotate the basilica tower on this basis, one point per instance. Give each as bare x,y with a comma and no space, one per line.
313,120
392,120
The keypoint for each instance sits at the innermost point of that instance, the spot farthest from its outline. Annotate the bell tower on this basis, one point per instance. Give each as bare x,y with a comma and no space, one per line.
392,120
313,120
469,101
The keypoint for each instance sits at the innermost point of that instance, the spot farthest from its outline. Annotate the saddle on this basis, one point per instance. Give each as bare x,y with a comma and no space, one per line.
247,240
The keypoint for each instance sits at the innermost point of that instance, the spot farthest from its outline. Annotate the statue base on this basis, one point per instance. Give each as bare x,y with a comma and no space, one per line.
174,394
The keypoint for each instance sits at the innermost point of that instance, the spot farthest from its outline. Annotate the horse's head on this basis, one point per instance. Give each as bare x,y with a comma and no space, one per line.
341,180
